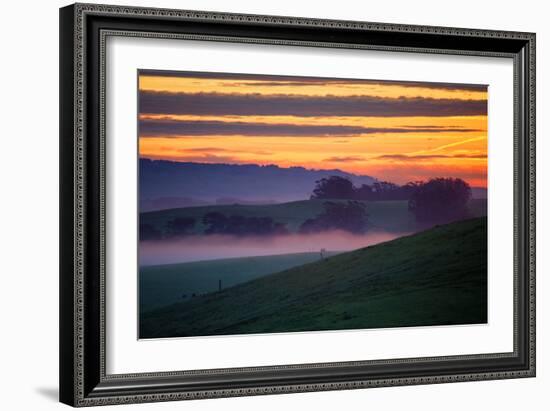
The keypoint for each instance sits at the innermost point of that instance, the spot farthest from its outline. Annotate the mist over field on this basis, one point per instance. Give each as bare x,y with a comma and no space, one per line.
211,247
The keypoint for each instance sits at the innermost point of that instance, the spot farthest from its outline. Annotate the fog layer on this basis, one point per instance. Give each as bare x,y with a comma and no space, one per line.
210,247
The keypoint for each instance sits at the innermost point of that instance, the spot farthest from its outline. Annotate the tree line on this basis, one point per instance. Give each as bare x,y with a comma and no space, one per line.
215,223
336,187
439,200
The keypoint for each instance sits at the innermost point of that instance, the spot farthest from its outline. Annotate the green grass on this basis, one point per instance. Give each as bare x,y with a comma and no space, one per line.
436,277
162,285
392,216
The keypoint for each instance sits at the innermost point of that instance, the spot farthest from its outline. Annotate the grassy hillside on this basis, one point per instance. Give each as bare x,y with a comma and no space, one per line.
392,216
166,284
435,277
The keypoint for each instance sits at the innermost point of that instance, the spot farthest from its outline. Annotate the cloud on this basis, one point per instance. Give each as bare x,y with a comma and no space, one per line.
212,150
199,158
155,102
479,156
168,128
405,157
349,159
280,83
277,81
445,128
209,149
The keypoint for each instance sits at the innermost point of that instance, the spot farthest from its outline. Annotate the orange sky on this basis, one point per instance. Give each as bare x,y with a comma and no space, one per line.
408,131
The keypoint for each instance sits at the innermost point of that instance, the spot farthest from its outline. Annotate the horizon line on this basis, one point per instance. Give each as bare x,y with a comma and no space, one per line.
291,167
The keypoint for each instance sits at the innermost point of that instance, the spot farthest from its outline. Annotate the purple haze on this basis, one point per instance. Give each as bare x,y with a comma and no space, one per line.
211,247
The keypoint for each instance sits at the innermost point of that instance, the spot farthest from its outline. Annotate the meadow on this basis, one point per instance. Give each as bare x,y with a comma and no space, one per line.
166,284
434,277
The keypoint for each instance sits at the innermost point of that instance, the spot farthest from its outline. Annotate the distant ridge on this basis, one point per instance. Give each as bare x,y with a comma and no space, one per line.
169,184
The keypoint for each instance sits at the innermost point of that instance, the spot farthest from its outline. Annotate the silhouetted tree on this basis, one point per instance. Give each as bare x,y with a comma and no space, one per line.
410,188
180,226
441,200
216,223
381,190
350,216
382,187
334,187
340,188
364,193
148,232
241,226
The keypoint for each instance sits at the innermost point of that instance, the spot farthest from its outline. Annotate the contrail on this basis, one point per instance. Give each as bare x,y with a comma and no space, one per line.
458,143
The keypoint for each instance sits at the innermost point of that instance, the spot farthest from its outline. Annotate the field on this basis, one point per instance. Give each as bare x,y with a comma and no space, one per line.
435,277
389,216
166,284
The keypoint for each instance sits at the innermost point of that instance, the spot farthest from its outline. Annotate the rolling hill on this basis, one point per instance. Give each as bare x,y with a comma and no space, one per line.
436,277
390,216
166,284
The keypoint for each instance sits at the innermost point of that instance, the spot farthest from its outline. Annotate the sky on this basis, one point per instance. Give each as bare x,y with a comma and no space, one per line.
392,130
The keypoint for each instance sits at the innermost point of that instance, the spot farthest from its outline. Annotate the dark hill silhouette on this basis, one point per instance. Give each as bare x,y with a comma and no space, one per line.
170,184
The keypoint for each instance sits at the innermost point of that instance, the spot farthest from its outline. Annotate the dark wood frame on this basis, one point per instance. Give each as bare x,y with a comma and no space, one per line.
83,30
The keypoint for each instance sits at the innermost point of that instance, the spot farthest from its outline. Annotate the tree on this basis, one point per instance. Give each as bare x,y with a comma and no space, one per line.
384,190
216,223
408,190
147,232
340,188
334,187
180,226
364,193
351,217
441,200
238,225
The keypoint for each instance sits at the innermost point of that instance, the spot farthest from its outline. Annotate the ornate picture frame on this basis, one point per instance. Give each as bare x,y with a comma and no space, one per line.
84,30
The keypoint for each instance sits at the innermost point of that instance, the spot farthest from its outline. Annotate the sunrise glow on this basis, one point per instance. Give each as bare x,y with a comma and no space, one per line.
394,131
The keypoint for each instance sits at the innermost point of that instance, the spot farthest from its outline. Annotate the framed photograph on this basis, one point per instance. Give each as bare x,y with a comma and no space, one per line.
261,204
